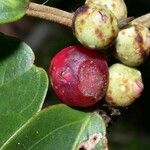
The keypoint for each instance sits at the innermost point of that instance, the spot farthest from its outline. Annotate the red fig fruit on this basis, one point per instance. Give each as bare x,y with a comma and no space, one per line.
79,76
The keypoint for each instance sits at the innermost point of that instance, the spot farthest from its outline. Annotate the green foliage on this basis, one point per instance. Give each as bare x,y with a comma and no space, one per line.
12,10
22,86
59,127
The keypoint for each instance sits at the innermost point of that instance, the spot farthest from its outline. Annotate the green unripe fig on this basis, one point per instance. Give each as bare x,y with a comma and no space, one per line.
125,85
133,45
118,7
95,27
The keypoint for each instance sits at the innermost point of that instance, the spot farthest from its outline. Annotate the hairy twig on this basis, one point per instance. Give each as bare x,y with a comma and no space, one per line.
50,17
50,10
66,18
50,14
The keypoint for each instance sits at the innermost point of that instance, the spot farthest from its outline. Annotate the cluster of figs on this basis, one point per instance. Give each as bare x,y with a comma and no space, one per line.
80,74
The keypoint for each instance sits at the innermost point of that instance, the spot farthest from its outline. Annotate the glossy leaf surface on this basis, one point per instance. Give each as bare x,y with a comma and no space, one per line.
22,86
61,128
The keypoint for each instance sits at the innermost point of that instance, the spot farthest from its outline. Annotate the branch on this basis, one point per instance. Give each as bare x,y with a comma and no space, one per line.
49,17
50,10
50,14
66,18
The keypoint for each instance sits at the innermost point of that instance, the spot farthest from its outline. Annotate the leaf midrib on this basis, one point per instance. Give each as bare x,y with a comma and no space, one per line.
16,77
87,119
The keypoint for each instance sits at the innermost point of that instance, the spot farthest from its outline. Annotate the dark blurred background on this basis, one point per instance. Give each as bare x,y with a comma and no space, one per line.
131,131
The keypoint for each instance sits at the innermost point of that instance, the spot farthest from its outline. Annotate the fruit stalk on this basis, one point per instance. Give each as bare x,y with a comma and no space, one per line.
50,14
66,18
51,10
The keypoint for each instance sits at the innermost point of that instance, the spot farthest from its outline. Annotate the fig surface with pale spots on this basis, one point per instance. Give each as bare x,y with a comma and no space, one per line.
118,7
125,85
133,45
95,26
79,76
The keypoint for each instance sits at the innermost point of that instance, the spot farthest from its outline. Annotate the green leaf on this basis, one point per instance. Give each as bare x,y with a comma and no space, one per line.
22,86
12,10
60,127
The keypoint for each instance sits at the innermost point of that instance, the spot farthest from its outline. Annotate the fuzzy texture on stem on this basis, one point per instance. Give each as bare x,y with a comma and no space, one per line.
66,18
50,14
50,17
51,10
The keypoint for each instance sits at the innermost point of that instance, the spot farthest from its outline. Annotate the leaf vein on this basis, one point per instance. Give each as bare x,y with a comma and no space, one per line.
53,132
81,131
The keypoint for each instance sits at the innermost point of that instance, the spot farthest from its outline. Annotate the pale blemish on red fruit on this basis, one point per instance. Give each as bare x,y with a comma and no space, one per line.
91,87
79,76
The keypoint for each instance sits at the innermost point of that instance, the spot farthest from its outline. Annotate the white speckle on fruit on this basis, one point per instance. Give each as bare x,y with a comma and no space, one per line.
91,62
56,87
63,91
126,58
123,88
92,46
